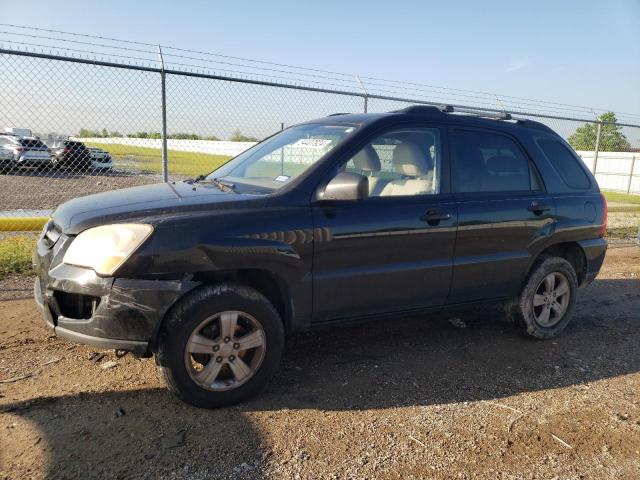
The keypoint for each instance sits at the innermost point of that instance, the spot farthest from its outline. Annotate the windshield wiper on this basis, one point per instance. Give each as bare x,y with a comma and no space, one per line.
224,186
199,178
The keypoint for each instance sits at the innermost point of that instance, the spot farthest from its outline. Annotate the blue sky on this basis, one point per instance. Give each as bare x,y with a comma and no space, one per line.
575,52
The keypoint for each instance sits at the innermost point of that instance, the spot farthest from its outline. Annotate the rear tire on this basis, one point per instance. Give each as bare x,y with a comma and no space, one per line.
546,303
201,349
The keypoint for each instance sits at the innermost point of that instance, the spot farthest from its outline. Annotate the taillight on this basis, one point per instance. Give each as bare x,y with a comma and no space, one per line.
603,232
18,150
67,149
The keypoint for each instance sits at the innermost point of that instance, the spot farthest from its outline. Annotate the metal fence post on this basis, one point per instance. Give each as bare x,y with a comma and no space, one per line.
633,168
365,96
595,152
165,172
281,152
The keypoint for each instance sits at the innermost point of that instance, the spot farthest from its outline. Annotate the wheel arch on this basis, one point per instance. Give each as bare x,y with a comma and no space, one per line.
572,252
266,282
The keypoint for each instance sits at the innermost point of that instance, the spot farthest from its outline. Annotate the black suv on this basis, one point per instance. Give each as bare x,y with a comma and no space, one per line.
345,217
70,155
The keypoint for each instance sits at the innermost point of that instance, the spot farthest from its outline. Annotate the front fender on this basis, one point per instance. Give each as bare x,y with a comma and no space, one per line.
279,241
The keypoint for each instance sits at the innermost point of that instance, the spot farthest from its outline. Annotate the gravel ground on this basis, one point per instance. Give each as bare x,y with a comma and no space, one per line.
16,286
32,190
405,398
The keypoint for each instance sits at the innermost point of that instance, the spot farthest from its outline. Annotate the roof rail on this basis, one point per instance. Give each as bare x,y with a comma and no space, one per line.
443,109
335,114
431,109
480,113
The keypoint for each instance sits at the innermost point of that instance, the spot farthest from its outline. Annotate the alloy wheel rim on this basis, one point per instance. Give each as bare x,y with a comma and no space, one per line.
551,299
225,350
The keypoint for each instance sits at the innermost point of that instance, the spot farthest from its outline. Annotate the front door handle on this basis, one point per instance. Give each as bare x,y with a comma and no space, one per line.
536,207
435,216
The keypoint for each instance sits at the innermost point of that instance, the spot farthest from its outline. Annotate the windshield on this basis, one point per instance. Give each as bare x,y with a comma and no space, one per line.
275,162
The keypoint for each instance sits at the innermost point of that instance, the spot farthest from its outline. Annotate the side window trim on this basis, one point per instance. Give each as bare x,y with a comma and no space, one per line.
498,193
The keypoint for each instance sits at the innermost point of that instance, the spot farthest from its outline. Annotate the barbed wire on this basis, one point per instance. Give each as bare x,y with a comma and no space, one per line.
253,68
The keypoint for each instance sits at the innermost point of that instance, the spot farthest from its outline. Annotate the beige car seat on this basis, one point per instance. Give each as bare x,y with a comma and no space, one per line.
416,170
368,162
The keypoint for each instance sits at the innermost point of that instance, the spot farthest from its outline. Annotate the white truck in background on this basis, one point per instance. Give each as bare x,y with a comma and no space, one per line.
19,132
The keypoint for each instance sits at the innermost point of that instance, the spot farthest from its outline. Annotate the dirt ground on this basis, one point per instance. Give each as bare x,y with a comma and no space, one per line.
404,398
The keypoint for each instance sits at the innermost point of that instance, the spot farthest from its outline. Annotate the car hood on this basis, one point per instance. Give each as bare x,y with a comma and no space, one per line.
145,202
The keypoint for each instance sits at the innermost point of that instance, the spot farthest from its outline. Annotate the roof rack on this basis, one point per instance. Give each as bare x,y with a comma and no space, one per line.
432,109
479,113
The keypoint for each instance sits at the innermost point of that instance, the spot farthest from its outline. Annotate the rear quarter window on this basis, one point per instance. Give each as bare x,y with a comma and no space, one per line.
565,163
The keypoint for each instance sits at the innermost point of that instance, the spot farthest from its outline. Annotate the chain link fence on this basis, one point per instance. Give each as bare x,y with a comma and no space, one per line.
72,126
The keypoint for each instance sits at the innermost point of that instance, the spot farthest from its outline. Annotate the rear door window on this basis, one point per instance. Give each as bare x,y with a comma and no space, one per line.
489,162
565,163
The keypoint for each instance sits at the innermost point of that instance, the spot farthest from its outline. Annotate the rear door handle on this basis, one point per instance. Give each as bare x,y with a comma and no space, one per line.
435,216
536,207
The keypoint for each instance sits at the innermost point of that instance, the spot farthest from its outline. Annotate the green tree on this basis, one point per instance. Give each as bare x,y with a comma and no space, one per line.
239,137
184,136
611,137
144,135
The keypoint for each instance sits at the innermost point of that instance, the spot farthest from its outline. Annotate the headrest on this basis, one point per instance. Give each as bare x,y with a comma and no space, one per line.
408,159
367,159
503,164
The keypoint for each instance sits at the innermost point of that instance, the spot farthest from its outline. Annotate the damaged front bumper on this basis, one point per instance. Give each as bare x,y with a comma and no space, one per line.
107,312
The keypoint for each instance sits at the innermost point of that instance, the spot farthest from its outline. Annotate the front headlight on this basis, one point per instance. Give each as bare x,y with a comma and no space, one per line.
107,247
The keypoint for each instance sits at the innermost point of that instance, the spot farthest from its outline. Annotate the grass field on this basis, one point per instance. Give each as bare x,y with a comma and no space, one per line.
622,197
21,224
150,159
15,254
187,163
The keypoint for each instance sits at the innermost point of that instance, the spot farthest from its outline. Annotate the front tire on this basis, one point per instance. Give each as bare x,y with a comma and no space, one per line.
546,303
220,345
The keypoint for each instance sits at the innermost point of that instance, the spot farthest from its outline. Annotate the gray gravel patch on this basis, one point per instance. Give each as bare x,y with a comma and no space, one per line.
14,286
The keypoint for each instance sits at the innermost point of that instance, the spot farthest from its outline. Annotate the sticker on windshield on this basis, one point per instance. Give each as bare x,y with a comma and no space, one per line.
312,143
282,178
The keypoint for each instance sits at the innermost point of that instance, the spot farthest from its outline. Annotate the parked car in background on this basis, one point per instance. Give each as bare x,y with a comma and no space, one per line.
100,159
6,157
22,152
347,217
70,155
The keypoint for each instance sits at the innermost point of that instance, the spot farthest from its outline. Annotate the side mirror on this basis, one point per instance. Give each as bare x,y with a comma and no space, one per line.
346,186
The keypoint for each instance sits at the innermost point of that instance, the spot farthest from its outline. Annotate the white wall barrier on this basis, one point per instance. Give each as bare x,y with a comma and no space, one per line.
615,170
